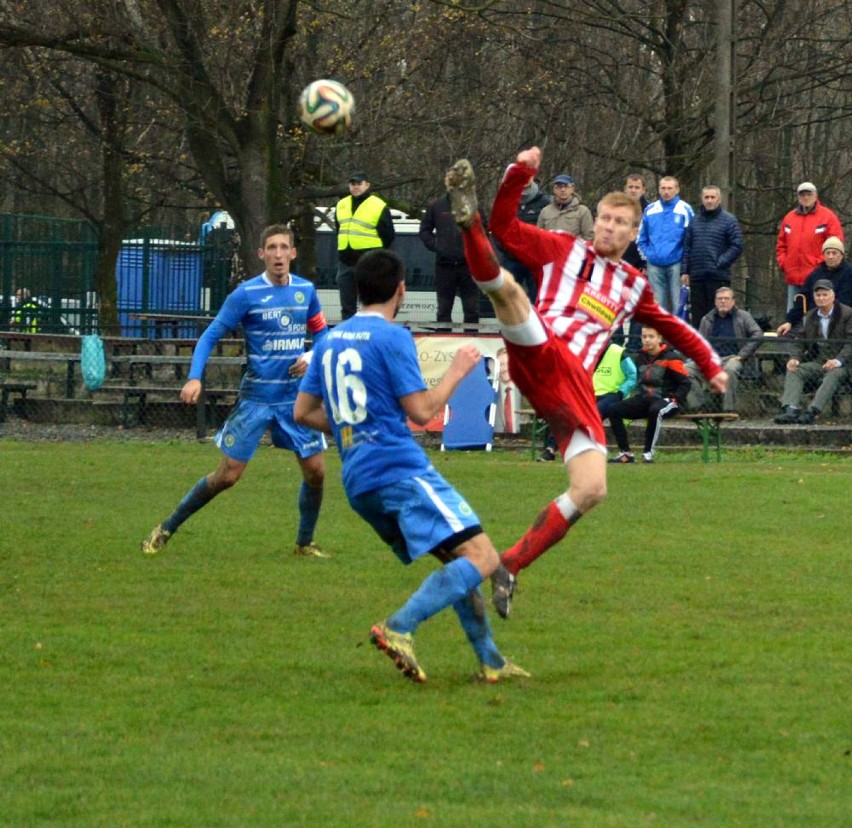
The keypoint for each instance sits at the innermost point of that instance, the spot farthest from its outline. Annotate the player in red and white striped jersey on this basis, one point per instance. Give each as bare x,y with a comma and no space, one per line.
586,292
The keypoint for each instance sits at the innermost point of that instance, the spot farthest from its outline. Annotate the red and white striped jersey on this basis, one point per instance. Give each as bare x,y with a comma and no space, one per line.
584,297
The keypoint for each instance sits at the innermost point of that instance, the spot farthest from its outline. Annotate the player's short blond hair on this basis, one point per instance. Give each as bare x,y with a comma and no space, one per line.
619,199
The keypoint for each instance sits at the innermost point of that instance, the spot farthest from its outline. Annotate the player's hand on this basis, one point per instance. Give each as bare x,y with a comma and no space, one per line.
719,383
191,391
298,368
531,157
466,358
784,328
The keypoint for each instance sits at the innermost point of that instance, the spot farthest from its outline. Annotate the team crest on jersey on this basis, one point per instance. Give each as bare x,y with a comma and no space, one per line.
464,508
284,320
299,297
229,440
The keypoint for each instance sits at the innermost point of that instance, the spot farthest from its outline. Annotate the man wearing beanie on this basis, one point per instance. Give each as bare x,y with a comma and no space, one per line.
836,270
800,238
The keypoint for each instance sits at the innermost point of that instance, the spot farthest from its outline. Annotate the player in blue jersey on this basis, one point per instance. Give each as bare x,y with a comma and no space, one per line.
362,384
276,310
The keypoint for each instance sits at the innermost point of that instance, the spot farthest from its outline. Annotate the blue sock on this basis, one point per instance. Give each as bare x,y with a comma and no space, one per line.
474,620
199,495
441,589
310,501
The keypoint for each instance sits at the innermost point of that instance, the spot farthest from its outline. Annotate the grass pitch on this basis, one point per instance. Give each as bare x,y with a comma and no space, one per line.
689,643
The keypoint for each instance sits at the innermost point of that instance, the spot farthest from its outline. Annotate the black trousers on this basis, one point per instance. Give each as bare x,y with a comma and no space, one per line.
452,280
656,409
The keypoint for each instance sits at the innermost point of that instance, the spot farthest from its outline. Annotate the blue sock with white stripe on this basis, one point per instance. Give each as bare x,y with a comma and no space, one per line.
441,589
199,495
474,620
310,500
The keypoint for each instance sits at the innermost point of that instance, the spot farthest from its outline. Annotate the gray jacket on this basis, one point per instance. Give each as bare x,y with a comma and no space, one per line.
746,330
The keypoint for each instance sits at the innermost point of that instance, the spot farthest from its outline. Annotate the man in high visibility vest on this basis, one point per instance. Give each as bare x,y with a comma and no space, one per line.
363,222
27,312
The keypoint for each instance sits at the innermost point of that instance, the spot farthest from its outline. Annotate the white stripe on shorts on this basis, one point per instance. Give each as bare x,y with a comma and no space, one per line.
455,524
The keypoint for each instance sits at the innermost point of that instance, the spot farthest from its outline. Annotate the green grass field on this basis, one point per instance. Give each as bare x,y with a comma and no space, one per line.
689,642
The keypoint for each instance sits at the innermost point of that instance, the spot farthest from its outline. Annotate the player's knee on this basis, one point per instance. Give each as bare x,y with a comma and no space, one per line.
588,494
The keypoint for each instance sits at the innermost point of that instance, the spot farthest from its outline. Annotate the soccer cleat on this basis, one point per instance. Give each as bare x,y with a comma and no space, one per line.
461,186
648,457
399,648
623,457
547,455
492,675
158,538
503,586
310,550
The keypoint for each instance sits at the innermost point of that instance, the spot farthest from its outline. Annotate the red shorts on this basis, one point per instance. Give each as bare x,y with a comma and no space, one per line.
558,387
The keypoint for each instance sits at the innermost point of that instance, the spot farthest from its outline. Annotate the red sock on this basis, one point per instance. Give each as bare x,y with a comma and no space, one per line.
548,529
480,255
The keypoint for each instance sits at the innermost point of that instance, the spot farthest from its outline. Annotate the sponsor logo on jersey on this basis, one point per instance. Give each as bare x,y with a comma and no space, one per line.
290,343
284,320
597,305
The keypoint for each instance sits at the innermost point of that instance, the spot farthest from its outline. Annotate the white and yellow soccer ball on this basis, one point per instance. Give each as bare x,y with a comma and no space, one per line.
326,106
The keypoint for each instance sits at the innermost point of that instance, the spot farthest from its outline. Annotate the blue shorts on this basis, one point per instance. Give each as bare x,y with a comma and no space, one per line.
418,515
247,423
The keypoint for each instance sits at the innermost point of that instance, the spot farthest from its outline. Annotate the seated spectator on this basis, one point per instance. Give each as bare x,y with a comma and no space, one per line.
820,356
735,336
836,270
26,314
663,386
614,380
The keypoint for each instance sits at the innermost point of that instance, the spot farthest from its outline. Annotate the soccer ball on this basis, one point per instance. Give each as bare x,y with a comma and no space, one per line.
326,106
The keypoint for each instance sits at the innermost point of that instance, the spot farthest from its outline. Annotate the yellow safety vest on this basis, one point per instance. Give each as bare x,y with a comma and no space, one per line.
26,317
608,375
359,231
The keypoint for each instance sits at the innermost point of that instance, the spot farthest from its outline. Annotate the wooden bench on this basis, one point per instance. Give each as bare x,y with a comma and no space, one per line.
709,425
70,360
135,397
10,387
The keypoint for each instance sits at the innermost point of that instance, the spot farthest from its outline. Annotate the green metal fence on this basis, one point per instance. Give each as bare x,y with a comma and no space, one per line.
47,269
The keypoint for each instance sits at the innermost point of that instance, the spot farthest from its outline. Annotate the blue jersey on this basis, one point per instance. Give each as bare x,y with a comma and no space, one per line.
275,320
360,370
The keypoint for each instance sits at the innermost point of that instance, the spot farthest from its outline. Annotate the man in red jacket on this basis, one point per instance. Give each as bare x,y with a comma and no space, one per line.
800,238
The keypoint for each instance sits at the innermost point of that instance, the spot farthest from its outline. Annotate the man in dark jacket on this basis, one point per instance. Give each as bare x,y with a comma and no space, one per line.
440,234
663,386
820,354
836,270
735,335
713,242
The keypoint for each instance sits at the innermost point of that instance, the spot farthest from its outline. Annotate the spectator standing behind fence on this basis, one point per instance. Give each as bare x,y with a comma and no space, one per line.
440,234
660,241
661,391
801,236
533,201
363,222
713,242
836,270
566,212
26,315
820,356
276,310
735,336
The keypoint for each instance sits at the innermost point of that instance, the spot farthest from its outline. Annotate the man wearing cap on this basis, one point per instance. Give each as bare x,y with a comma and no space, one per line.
820,355
800,238
363,222
835,270
713,242
566,212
